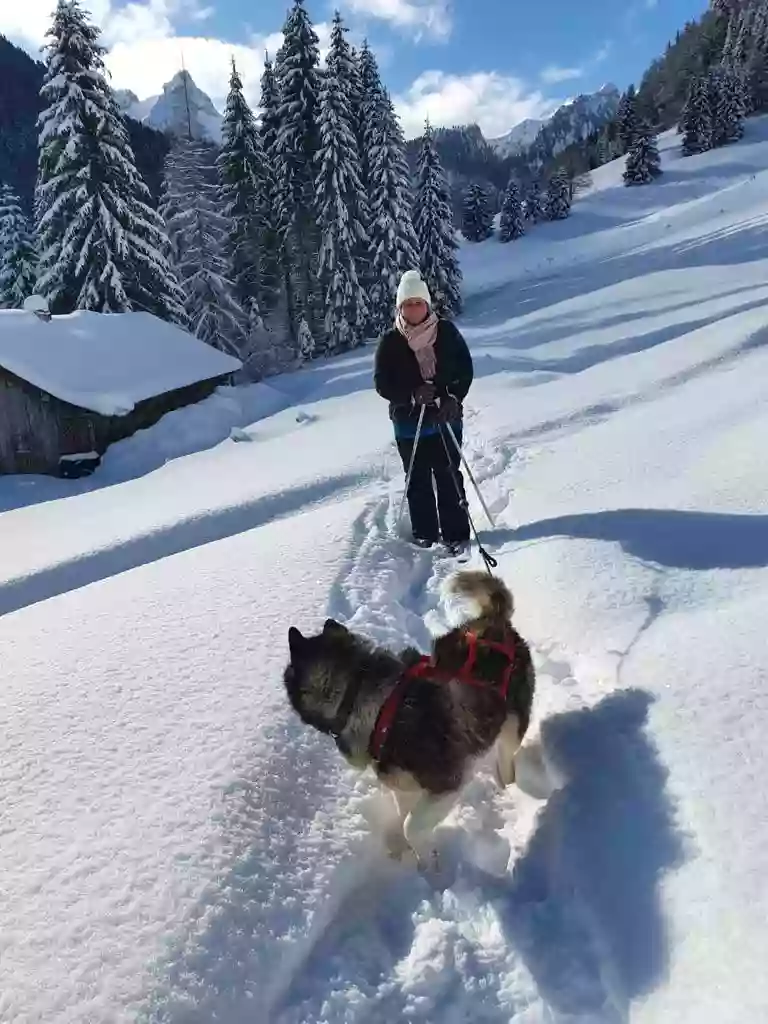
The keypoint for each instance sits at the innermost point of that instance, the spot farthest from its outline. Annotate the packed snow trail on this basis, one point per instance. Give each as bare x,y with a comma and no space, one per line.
498,936
419,949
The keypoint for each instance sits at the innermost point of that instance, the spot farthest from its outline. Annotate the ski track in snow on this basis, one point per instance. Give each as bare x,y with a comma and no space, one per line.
482,942
308,920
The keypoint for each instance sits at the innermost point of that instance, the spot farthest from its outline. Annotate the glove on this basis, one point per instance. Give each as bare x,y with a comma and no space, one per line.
450,410
425,394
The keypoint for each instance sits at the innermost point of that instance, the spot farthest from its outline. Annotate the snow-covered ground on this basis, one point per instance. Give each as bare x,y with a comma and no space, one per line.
176,848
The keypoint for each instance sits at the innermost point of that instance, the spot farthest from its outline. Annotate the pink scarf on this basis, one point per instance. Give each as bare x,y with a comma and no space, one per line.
421,340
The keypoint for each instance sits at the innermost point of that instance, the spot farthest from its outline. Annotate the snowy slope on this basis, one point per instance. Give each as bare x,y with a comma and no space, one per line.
178,848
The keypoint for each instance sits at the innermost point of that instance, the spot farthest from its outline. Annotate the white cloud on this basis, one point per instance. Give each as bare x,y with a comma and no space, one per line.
553,74
494,101
603,53
27,21
422,17
144,51
147,64
144,62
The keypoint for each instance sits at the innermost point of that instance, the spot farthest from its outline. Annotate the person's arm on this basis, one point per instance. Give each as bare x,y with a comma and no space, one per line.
387,379
461,370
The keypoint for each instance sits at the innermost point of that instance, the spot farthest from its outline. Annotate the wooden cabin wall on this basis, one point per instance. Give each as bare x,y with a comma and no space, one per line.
36,428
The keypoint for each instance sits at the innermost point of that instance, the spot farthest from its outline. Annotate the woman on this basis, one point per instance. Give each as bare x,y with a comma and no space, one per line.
424,361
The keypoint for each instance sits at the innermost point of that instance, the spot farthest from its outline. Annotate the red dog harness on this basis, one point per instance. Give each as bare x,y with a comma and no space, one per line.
425,669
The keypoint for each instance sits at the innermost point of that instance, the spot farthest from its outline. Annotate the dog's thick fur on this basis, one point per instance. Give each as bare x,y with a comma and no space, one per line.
441,727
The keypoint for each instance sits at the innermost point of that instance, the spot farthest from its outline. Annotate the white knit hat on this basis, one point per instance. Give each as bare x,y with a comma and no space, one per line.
412,287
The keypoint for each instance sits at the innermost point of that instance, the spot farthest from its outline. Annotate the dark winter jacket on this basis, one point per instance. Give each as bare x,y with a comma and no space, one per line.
397,376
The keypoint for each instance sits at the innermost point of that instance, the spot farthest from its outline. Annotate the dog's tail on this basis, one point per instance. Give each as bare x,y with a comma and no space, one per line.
489,593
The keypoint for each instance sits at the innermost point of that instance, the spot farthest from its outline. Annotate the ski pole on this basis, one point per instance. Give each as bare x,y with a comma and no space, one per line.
490,561
412,460
469,474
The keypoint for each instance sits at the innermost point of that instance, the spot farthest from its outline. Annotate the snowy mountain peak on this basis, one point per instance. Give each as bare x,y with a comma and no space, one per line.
573,120
126,98
181,108
519,138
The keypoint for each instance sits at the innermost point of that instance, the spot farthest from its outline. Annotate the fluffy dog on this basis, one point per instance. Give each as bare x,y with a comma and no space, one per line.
420,722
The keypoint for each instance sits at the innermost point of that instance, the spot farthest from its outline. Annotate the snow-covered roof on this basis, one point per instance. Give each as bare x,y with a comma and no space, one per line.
106,362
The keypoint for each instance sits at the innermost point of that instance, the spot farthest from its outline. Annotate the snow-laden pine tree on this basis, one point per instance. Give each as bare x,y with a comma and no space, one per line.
696,119
273,267
511,225
18,259
745,39
433,224
535,208
755,65
608,144
726,98
341,233
307,347
242,201
558,200
356,90
342,64
371,91
265,350
393,239
760,48
477,216
643,160
296,146
627,118
739,35
756,72
100,242
198,232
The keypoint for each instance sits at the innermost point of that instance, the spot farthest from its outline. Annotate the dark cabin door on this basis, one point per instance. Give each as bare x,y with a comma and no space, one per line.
29,439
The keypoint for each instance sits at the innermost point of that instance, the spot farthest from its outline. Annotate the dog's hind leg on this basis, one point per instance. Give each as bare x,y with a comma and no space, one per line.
404,801
507,745
425,817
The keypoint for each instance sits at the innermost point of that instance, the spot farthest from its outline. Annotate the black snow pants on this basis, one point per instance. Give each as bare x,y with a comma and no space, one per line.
432,471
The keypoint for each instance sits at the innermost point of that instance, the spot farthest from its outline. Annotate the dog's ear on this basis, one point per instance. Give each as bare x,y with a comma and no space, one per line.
332,626
296,640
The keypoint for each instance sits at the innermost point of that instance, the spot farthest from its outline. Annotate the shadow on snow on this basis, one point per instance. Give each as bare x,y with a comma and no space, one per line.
674,538
581,908
606,838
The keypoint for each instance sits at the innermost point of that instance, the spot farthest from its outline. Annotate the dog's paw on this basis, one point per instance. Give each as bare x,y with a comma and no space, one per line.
504,774
428,862
532,776
396,845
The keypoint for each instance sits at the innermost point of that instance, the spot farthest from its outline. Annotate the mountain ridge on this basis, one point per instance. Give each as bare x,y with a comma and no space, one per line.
182,108
586,109
166,111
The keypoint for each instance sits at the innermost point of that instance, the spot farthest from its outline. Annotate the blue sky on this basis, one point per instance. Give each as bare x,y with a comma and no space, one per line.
493,61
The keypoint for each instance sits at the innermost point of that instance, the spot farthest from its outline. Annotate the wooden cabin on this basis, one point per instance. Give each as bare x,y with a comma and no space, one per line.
72,385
